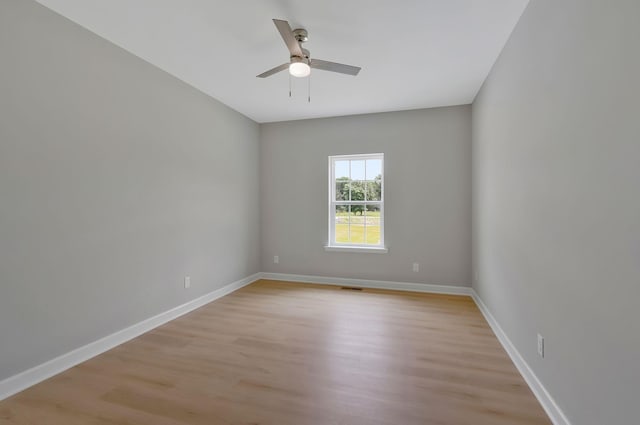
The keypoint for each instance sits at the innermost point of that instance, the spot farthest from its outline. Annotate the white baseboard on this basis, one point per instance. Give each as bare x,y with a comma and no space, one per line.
548,403
23,380
373,284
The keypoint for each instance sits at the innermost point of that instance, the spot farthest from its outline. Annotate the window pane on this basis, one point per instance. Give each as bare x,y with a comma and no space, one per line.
357,170
374,169
357,190
373,230
374,190
373,224
373,210
342,223
342,189
357,210
357,220
341,169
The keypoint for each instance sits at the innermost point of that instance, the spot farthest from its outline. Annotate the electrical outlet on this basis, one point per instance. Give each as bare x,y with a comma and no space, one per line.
276,259
187,282
416,267
540,346
475,277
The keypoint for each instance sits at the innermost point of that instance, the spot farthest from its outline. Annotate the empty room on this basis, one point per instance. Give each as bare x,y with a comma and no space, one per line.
420,212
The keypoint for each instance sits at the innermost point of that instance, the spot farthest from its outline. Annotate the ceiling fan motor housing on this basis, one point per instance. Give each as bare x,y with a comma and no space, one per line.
296,59
301,35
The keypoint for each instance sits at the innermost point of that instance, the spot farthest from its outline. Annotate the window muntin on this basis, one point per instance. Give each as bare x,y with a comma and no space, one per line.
356,201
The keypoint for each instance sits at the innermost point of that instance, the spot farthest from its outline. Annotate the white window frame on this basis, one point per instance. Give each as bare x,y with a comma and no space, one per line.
336,246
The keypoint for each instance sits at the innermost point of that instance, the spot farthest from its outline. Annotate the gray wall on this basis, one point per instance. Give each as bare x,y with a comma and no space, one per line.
557,201
116,181
427,194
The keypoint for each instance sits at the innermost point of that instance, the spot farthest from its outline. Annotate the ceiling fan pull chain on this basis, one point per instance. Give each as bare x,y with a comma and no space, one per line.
289,85
309,89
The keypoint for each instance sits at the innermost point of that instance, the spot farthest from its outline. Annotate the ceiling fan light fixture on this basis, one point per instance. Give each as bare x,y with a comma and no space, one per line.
299,69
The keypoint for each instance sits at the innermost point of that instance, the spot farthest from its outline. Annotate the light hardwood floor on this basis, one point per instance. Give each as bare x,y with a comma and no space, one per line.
276,353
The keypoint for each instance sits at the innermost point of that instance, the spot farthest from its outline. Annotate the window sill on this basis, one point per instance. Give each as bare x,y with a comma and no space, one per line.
356,249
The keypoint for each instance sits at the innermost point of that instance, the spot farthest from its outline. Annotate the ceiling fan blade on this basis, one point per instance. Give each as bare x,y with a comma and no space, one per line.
334,67
287,35
273,70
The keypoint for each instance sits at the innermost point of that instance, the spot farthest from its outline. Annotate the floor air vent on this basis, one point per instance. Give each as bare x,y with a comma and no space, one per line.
350,288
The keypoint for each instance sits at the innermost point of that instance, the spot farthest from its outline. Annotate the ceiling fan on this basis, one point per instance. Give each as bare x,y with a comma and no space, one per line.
300,62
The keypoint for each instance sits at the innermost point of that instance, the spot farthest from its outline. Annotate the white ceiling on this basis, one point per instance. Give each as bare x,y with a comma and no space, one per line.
413,53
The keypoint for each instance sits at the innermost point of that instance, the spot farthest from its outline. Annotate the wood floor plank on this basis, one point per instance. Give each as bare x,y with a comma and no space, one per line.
276,353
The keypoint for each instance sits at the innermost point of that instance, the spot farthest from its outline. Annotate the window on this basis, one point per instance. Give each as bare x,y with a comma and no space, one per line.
356,202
